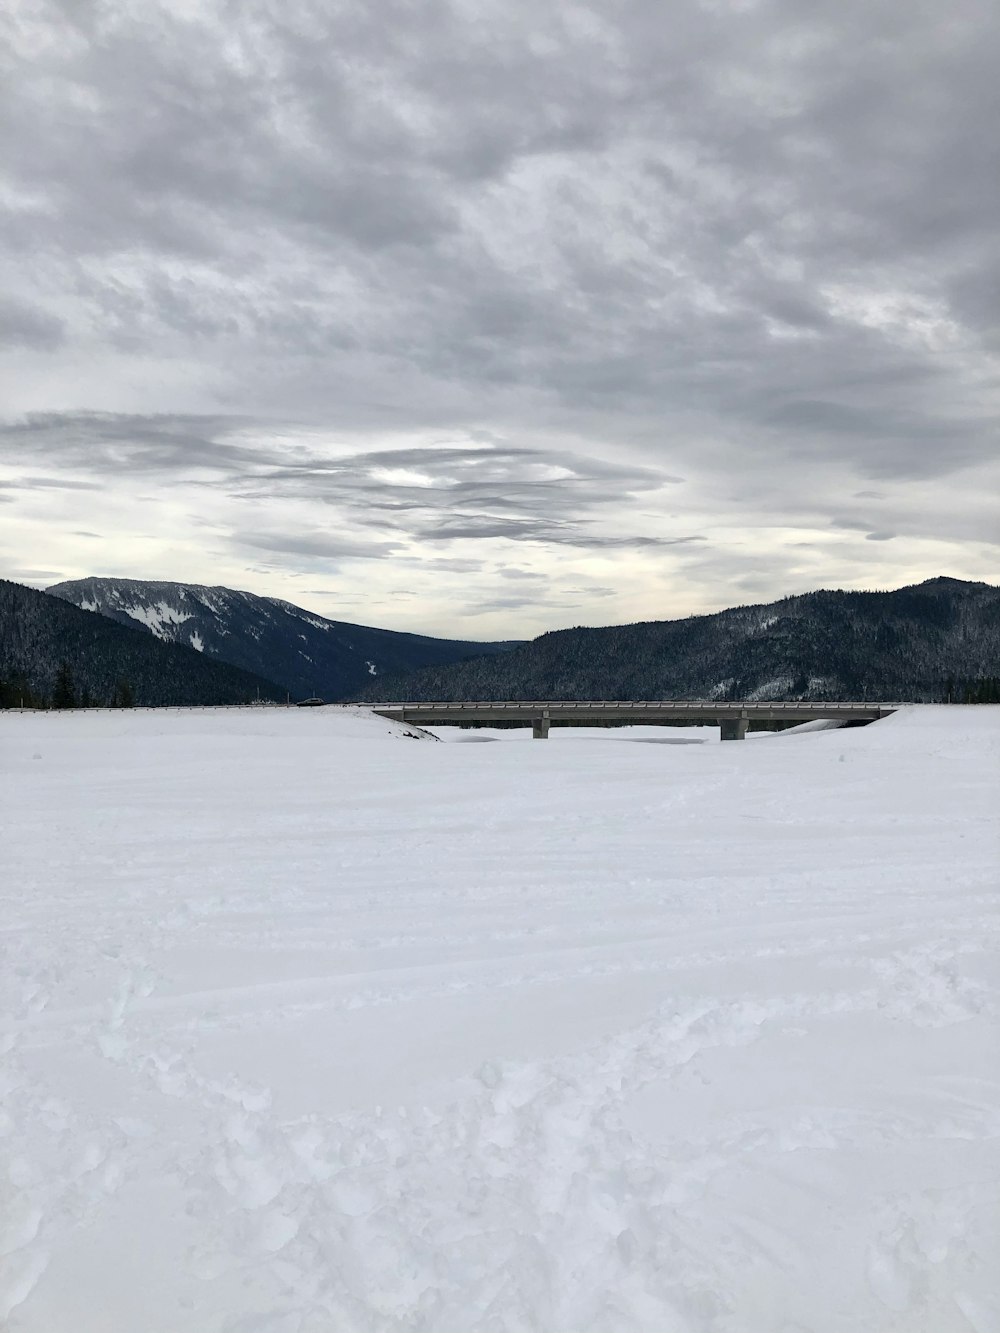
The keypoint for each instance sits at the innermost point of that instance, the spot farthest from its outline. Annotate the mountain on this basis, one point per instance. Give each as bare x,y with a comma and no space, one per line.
305,653
902,645
106,662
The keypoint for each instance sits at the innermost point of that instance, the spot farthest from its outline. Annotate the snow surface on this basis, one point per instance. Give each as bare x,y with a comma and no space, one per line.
647,734
315,621
315,1028
156,616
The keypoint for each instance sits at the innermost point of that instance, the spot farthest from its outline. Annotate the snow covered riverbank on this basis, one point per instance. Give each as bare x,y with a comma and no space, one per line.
311,1028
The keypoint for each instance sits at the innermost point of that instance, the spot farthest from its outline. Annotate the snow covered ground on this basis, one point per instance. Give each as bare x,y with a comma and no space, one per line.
312,1027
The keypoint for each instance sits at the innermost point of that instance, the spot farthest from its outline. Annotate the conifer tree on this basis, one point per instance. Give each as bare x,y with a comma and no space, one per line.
64,693
124,697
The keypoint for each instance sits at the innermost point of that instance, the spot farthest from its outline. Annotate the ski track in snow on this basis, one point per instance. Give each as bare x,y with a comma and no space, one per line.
310,1030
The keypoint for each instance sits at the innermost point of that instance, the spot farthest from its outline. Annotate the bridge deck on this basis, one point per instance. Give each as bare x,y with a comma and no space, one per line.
733,717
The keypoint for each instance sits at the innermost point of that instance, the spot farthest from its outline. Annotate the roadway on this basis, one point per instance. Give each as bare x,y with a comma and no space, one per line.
733,718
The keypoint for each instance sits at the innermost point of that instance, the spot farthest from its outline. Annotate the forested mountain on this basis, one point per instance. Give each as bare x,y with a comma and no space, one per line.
51,651
903,645
305,653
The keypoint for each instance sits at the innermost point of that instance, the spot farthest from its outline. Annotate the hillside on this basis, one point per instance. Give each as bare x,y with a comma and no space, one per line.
107,661
305,653
900,645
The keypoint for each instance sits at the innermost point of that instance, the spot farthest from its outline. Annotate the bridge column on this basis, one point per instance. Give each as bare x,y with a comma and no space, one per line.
734,728
540,728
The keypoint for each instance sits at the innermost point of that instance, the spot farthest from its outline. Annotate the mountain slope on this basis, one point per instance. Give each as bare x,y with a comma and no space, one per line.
305,653
38,632
824,645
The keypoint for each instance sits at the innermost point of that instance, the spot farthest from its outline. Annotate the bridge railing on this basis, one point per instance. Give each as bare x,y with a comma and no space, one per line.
732,716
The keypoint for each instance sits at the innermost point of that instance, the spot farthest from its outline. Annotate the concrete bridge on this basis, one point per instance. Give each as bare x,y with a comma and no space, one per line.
733,718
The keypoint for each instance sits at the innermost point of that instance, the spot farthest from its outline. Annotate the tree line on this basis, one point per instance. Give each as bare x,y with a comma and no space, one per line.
985,690
897,646
17,692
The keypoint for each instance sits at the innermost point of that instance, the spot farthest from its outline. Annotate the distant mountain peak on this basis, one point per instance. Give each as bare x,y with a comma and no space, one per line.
944,582
42,637
306,653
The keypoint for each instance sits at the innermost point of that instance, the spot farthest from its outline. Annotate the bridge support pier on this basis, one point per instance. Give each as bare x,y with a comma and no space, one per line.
540,728
733,728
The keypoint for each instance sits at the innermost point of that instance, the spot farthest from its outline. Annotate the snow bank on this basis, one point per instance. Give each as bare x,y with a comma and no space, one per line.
310,1030
804,728
659,735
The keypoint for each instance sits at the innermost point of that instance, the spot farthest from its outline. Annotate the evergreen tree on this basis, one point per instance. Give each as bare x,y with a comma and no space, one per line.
123,696
986,690
64,692
16,692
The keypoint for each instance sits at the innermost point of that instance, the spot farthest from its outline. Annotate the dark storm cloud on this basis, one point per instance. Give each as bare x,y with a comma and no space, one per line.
734,240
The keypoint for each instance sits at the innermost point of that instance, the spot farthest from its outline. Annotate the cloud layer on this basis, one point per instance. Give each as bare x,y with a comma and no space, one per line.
386,303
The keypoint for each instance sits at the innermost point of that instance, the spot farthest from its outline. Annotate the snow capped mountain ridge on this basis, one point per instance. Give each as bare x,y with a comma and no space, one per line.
113,658
161,617
305,653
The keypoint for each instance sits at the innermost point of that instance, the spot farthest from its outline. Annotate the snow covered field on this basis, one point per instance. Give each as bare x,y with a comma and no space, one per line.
312,1028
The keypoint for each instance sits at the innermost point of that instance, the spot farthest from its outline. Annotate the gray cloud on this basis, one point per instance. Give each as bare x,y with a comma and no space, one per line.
24,325
49,484
20,573
105,443
312,545
511,603
433,493
751,246
456,566
850,524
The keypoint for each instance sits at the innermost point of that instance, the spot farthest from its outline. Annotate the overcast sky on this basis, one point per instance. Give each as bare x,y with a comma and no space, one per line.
489,317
